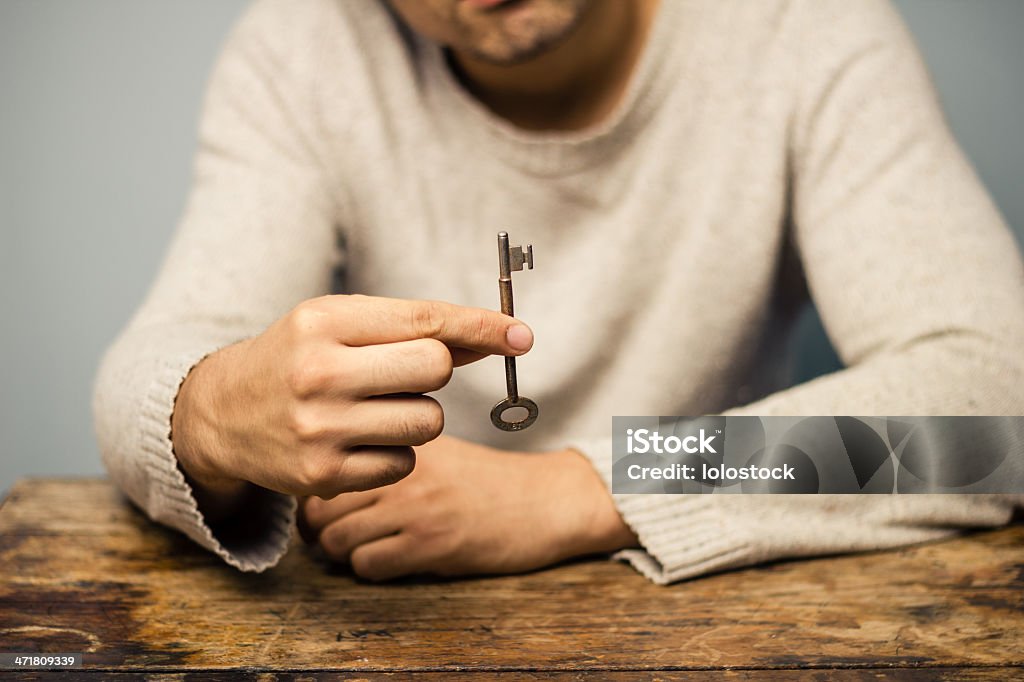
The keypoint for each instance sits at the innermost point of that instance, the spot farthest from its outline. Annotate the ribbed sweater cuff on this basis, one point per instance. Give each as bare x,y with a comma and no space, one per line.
682,536
268,525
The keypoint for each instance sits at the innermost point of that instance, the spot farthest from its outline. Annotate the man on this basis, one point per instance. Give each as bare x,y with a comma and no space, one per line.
687,171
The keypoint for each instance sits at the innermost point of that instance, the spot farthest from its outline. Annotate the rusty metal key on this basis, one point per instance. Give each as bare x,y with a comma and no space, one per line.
512,259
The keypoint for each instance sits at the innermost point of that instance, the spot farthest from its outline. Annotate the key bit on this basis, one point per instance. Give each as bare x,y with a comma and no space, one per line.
518,258
512,259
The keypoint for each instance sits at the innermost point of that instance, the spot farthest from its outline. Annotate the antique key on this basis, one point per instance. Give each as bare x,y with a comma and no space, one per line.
509,260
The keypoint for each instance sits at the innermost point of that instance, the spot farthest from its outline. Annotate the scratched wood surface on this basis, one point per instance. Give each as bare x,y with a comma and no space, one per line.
82,571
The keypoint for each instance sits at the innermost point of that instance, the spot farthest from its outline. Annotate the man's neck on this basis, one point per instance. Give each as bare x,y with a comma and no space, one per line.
575,85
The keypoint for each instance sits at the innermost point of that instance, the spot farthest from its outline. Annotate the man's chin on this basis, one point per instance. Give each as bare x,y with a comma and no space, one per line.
510,56
520,31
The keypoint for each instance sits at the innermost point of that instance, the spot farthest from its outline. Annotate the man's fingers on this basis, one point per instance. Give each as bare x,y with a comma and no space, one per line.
315,513
343,535
364,468
395,420
417,366
365,320
390,557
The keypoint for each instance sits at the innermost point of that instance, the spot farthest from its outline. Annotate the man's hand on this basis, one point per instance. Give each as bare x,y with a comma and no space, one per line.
329,398
470,509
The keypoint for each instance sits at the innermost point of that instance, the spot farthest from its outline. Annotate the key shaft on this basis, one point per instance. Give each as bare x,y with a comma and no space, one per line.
512,259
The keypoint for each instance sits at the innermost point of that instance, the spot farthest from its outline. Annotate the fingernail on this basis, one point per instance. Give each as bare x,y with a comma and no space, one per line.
519,337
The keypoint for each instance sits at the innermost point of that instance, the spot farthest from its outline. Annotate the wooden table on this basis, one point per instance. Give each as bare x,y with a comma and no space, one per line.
82,571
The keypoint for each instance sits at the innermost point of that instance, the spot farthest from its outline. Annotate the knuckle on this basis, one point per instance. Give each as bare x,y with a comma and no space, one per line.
327,488
437,360
307,376
396,468
311,511
445,541
366,564
316,473
483,330
439,550
427,319
420,423
382,372
305,317
431,420
404,466
334,542
305,426
310,474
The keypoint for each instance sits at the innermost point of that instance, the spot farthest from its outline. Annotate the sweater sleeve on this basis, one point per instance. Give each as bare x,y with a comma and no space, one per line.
918,282
257,236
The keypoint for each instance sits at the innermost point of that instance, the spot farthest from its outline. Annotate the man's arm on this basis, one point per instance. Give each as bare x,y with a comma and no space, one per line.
919,285
238,385
893,227
257,237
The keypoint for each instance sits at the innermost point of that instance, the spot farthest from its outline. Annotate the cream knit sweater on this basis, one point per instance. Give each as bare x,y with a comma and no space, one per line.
761,145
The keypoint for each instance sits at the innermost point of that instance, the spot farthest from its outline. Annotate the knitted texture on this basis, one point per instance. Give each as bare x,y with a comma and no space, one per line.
765,153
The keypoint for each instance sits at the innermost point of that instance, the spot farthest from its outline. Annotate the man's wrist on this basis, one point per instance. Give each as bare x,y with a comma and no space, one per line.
216,495
184,426
600,528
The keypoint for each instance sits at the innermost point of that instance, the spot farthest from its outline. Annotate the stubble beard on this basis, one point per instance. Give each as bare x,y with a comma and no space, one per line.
518,39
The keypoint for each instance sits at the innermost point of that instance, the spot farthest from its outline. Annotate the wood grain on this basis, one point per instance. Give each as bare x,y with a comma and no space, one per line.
81,570
1000,674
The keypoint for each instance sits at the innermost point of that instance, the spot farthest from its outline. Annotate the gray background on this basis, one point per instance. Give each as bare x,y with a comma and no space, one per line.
98,104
